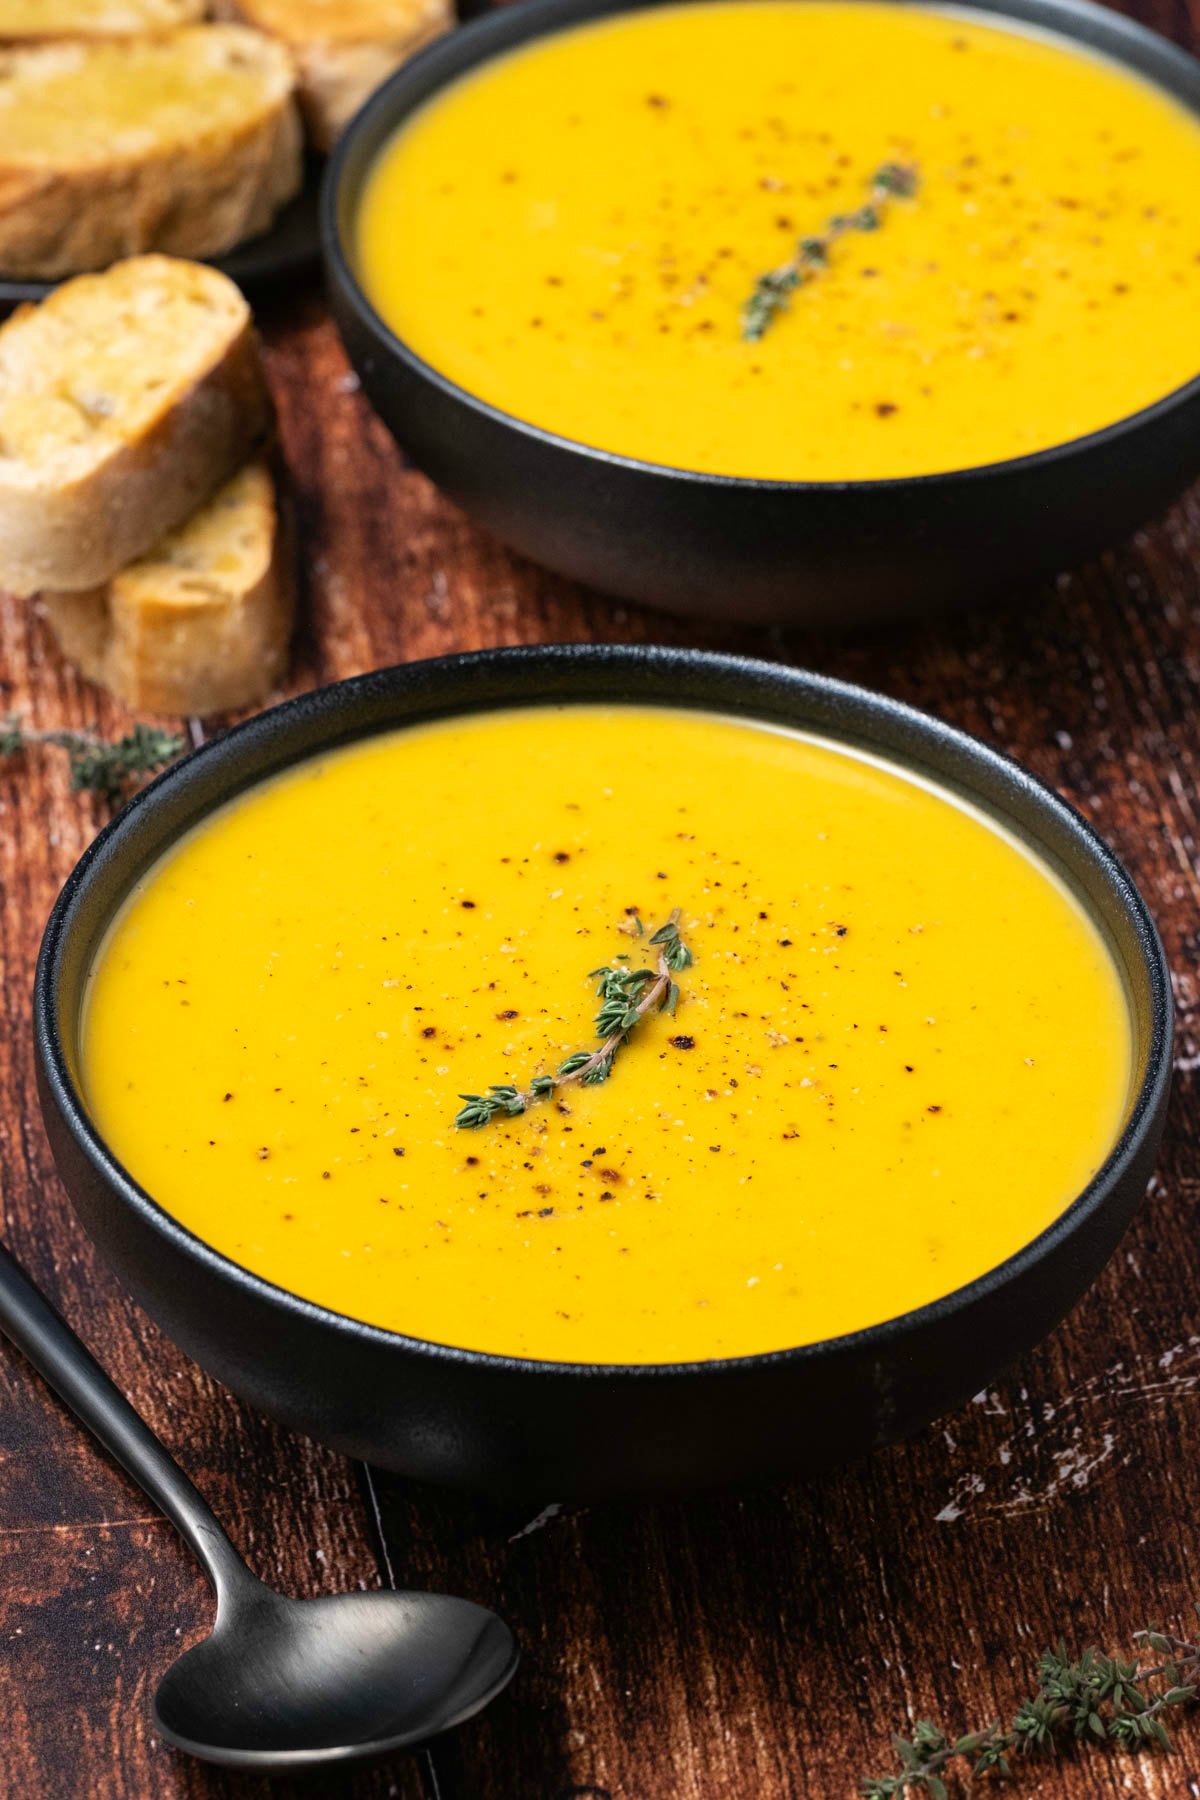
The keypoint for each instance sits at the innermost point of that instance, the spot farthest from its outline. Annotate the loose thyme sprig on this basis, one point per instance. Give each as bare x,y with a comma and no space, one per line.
773,291
1096,1697
97,766
626,996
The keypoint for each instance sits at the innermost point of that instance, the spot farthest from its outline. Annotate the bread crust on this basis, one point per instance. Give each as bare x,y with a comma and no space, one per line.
337,79
76,533
198,198
343,52
169,642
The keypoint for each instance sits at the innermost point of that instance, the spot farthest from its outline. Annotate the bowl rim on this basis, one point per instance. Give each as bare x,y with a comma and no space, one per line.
1116,36
327,704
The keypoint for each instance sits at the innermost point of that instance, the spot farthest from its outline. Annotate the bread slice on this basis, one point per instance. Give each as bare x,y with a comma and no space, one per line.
200,625
186,142
41,21
125,399
343,49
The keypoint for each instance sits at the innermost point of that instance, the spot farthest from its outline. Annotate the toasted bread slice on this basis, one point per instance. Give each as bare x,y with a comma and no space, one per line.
187,143
343,49
202,624
42,21
125,399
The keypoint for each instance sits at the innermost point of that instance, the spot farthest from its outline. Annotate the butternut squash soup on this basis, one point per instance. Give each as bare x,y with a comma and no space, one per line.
898,1050
810,241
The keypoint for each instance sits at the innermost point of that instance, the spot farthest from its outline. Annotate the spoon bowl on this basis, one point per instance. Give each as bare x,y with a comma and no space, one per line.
302,1682
280,1684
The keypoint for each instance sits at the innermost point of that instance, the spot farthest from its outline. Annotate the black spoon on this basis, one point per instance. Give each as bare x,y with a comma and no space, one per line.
280,1684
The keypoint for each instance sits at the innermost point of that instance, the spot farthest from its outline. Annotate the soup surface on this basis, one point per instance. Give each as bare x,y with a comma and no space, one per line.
901,1049
571,231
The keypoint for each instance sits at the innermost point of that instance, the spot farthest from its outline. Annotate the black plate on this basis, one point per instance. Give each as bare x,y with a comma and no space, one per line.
504,1424
291,247
727,547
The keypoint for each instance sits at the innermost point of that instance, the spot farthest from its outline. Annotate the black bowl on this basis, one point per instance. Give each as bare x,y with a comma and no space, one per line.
728,548
539,1428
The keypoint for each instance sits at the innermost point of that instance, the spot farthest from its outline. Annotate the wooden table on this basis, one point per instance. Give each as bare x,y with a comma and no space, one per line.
755,1646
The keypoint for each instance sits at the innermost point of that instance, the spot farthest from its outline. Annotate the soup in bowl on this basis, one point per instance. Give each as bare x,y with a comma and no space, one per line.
577,232
895,250
513,1067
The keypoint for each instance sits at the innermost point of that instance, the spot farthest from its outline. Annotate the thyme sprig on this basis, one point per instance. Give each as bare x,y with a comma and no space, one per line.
1104,1699
97,765
626,995
773,291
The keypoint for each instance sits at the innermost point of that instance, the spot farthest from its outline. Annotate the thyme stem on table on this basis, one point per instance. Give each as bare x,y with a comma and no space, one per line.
773,291
626,996
97,765
1097,1698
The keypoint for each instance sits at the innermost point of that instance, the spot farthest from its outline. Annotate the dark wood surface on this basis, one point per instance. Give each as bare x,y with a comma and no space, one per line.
755,1646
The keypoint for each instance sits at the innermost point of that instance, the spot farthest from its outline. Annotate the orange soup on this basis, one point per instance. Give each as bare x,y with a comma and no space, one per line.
573,232
900,1050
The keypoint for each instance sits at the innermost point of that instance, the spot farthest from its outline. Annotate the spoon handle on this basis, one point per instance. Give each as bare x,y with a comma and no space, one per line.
29,1320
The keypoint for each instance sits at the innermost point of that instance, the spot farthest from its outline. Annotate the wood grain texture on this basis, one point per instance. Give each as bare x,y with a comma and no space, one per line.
753,1646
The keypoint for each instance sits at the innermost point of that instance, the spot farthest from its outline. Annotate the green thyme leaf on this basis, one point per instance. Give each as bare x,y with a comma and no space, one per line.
1102,1699
98,766
773,291
626,997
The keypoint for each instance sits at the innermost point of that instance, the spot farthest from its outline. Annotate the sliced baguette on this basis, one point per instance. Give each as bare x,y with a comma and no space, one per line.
42,21
200,625
343,49
187,142
125,399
